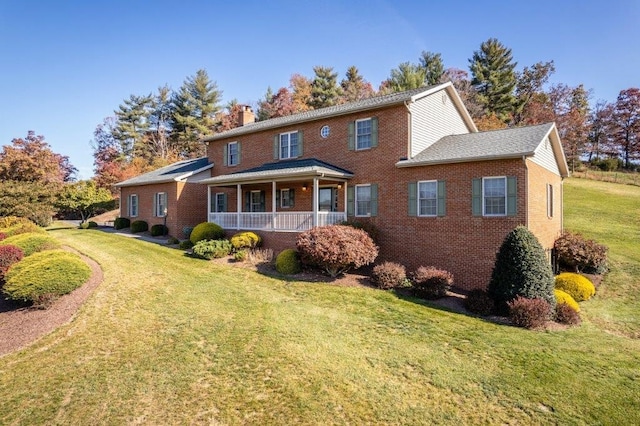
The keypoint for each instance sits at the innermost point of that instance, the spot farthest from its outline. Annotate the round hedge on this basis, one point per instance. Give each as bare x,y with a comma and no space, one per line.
245,239
288,262
159,229
32,242
139,226
121,223
578,286
54,272
562,297
206,231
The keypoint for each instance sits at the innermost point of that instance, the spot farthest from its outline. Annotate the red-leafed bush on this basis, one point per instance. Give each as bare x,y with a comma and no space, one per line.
479,302
431,282
565,314
2,236
336,248
389,275
576,253
9,255
529,313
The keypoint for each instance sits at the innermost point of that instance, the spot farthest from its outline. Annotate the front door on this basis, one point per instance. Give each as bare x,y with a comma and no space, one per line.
328,199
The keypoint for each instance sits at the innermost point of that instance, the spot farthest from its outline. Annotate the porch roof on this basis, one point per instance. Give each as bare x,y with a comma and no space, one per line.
283,171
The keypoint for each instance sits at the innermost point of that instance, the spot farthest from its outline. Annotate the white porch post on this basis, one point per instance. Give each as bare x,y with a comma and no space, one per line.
345,200
238,205
209,203
316,194
273,205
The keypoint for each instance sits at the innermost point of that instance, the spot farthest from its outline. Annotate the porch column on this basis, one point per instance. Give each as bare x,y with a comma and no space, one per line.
238,205
316,194
273,205
209,203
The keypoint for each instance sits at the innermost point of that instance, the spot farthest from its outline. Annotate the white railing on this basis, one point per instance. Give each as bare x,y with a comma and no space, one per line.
289,221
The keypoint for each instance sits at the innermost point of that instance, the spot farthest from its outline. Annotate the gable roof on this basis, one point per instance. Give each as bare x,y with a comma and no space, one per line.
496,144
374,102
282,170
172,173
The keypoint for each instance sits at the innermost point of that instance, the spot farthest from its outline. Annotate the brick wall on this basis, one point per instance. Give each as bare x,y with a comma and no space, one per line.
546,228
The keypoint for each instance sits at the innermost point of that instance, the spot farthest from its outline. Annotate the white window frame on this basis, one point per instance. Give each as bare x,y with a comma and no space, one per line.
252,204
358,213
358,134
160,207
549,200
233,157
434,198
286,205
484,196
286,144
219,196
131,203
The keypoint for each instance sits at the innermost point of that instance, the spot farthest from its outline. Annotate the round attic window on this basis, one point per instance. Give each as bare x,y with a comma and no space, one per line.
324,132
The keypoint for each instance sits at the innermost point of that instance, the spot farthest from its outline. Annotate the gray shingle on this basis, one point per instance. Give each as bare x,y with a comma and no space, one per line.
169,173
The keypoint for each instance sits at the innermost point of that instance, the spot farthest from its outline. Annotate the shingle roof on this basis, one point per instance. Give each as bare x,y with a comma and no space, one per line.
307,167
173,172
316,114
506,143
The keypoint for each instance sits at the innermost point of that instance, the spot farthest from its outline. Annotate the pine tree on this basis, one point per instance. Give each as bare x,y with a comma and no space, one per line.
355,87
433,67
494,78
407,76
158,144
132,124
324,88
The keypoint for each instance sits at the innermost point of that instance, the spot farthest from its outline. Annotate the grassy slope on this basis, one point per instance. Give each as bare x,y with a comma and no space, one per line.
168,339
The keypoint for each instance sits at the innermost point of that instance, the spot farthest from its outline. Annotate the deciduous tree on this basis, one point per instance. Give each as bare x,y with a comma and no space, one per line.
355,87
275,105
301,92
83,198
626,125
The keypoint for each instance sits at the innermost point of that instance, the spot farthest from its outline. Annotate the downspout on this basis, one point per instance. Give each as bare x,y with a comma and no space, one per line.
409,141
526,186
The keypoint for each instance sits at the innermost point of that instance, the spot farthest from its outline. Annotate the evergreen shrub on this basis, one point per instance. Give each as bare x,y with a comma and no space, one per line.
14,225
528,313
431,282
521,269
479,302
336,248
389,275
139,226
240,255
186,231
121,223
173,241
158,230
245,239
288,262
92,224
565,314
578,286
562,297
578,254
32,242
212,249
185,245
206,231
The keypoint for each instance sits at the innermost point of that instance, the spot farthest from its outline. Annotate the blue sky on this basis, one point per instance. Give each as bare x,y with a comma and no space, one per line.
66,65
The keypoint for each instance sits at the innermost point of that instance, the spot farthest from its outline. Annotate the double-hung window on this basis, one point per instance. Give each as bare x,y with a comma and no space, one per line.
428,198
363,200
289,145
286,198
133,205
494,196
549,200
364,131
160,204
233,154
220,200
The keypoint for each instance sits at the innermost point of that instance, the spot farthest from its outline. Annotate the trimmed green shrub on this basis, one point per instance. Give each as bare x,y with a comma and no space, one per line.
121,223
206,231
45,274
288,262
479,302
529,313
185,245
139,226
562,297
336,248
578,286
212,249
521,269
13,225
240,255
431,282
92,224
159,229
88,225
8,256
575,253
389,275
32,242
245,239
565,314
173,241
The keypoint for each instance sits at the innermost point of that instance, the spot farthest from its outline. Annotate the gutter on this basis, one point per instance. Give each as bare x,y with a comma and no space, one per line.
404,163
526,186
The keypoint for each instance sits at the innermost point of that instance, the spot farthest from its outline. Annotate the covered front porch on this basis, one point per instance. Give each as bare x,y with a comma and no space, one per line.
288,196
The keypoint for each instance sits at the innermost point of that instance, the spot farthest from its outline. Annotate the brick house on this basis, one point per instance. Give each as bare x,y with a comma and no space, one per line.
412,164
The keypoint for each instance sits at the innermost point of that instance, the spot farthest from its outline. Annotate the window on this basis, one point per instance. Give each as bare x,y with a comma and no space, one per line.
288,145
549,200
286,198
256,204
363,133
220,203
363,200
160,204
494,196
233,154
133,205
428,198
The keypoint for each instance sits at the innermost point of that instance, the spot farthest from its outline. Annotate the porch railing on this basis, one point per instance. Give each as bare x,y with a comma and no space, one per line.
279,221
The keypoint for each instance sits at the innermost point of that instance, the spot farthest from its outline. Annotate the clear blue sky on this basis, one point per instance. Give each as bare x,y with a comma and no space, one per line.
66,65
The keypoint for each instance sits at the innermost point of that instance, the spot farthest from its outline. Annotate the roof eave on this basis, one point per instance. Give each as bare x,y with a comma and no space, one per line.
237,178
558,151
413,163
195,172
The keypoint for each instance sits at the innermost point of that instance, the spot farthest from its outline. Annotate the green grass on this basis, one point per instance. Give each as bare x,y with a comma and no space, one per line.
169,339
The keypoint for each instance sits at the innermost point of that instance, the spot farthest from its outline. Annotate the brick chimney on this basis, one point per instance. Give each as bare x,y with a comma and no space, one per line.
246,116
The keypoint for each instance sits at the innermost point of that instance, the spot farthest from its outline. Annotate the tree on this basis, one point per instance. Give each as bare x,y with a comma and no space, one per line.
32,160
82,197
132,123
355,87
626,125
301,88
530,82
493,77
433,67
571,112
460,80
276,105
600,120
230,117
33,200
407,76
325,91
157,139
195,106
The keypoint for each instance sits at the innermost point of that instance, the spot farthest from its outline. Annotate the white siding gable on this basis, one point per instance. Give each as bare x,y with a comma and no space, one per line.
543,156
433,117
199,176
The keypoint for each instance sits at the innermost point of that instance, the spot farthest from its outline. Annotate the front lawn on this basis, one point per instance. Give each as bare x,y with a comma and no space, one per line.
169,339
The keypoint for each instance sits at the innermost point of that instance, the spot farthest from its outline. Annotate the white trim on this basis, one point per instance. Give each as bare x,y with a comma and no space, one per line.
288,146
218,194
550,201
418,198
129,203
156,204
355,201
355,133
504,178
229,164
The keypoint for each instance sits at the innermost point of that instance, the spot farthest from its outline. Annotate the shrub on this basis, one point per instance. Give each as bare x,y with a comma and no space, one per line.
139,226
389,275
8,256
245,239
528,313
366,226
121,223
173,241
32,242
564,298
158,229
579,287
186,231
13,225
260,256
185,245
479,302
240,255
288,262
206,231
578,254
565,314
2,236
54,273
212,249
88,225
521,269
336,248
431,282
92,224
